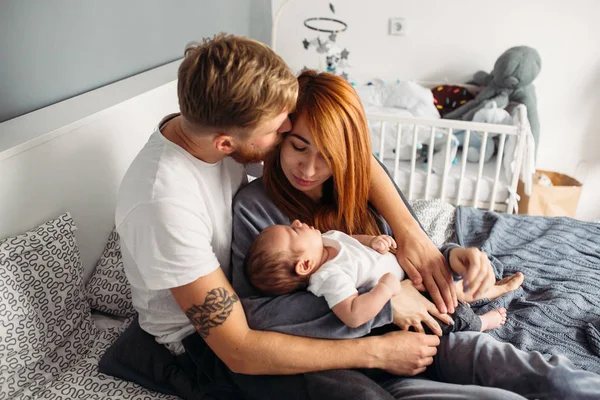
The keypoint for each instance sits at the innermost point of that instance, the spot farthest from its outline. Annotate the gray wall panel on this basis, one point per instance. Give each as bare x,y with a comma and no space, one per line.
51,50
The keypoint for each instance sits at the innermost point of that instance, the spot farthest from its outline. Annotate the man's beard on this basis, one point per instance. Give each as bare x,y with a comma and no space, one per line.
248,154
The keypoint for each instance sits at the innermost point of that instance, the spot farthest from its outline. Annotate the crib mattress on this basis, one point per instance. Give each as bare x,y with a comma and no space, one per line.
435,183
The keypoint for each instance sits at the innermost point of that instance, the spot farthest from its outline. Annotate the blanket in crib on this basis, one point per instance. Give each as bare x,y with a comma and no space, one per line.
557,310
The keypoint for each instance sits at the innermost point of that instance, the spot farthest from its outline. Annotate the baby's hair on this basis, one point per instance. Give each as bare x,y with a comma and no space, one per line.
273,272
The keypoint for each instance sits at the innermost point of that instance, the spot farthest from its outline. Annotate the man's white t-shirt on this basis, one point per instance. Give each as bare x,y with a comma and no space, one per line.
174,218
355,266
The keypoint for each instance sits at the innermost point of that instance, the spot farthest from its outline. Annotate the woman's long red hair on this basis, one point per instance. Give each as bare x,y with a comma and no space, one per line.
336,119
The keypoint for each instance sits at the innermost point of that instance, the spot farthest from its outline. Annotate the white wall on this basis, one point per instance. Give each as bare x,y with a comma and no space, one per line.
78,166
450,40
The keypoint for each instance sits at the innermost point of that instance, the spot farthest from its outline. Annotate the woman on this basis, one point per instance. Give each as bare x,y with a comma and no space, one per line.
323,174
329,203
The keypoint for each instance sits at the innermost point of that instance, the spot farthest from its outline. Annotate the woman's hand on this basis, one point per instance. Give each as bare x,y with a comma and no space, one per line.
425,265
475,268
382,243
411,309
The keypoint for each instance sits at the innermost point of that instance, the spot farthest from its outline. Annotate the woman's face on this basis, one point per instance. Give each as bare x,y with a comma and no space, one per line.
302,163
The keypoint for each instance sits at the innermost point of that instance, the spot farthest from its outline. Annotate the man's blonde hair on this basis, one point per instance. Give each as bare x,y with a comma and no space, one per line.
232,82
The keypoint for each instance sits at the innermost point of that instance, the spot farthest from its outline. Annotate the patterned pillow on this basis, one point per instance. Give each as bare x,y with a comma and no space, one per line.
437,218
108,289
45,321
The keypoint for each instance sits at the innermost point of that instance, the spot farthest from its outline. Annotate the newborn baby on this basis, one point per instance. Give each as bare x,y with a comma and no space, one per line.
284,259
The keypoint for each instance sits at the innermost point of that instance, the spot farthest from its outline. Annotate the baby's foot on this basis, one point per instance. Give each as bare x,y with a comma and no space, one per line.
493,319
501,287
511,283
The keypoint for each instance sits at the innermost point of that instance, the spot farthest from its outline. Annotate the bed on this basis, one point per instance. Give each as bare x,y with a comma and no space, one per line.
64,298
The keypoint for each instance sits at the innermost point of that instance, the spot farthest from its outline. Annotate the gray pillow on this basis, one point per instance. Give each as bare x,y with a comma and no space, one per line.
108,290
437,218
45,320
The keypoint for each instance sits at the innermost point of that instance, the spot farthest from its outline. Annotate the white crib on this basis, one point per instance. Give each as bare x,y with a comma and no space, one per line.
490,185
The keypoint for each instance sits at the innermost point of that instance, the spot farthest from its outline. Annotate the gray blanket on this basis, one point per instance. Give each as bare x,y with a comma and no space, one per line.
557,311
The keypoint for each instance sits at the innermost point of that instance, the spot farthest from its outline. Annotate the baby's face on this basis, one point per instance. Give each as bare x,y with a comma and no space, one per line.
297,238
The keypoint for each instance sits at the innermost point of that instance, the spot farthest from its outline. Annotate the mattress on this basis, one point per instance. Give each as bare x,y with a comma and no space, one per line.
83,381
435,183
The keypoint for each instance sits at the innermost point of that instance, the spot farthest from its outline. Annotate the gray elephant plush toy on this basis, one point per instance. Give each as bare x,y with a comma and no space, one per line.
511,80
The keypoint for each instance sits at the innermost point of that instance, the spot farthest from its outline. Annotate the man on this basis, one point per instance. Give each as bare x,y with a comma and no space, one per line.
174,219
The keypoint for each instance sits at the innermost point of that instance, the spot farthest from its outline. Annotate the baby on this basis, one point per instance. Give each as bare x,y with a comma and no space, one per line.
284,259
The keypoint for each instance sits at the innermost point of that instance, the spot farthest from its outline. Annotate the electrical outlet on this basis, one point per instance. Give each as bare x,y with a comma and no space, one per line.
398,26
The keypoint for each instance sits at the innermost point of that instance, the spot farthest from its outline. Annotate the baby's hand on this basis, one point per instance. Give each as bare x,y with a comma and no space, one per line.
392,282
382,243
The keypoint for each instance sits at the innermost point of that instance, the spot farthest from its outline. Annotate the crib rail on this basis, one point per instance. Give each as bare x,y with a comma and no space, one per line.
447,123
490,186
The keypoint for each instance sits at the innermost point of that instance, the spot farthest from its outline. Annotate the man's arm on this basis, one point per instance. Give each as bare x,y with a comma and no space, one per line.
213,307
417,254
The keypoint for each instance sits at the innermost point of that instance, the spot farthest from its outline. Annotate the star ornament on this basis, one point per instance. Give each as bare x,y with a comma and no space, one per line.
344,54
305,43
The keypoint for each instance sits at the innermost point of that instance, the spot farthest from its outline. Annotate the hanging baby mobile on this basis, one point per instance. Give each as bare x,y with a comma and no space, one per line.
336,58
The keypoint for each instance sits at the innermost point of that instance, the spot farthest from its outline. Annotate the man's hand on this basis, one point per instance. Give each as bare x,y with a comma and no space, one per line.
392,282
475,268
405,353
411,309
383,243
424,264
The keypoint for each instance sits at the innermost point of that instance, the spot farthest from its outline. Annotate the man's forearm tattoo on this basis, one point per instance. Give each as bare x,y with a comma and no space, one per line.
215,310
